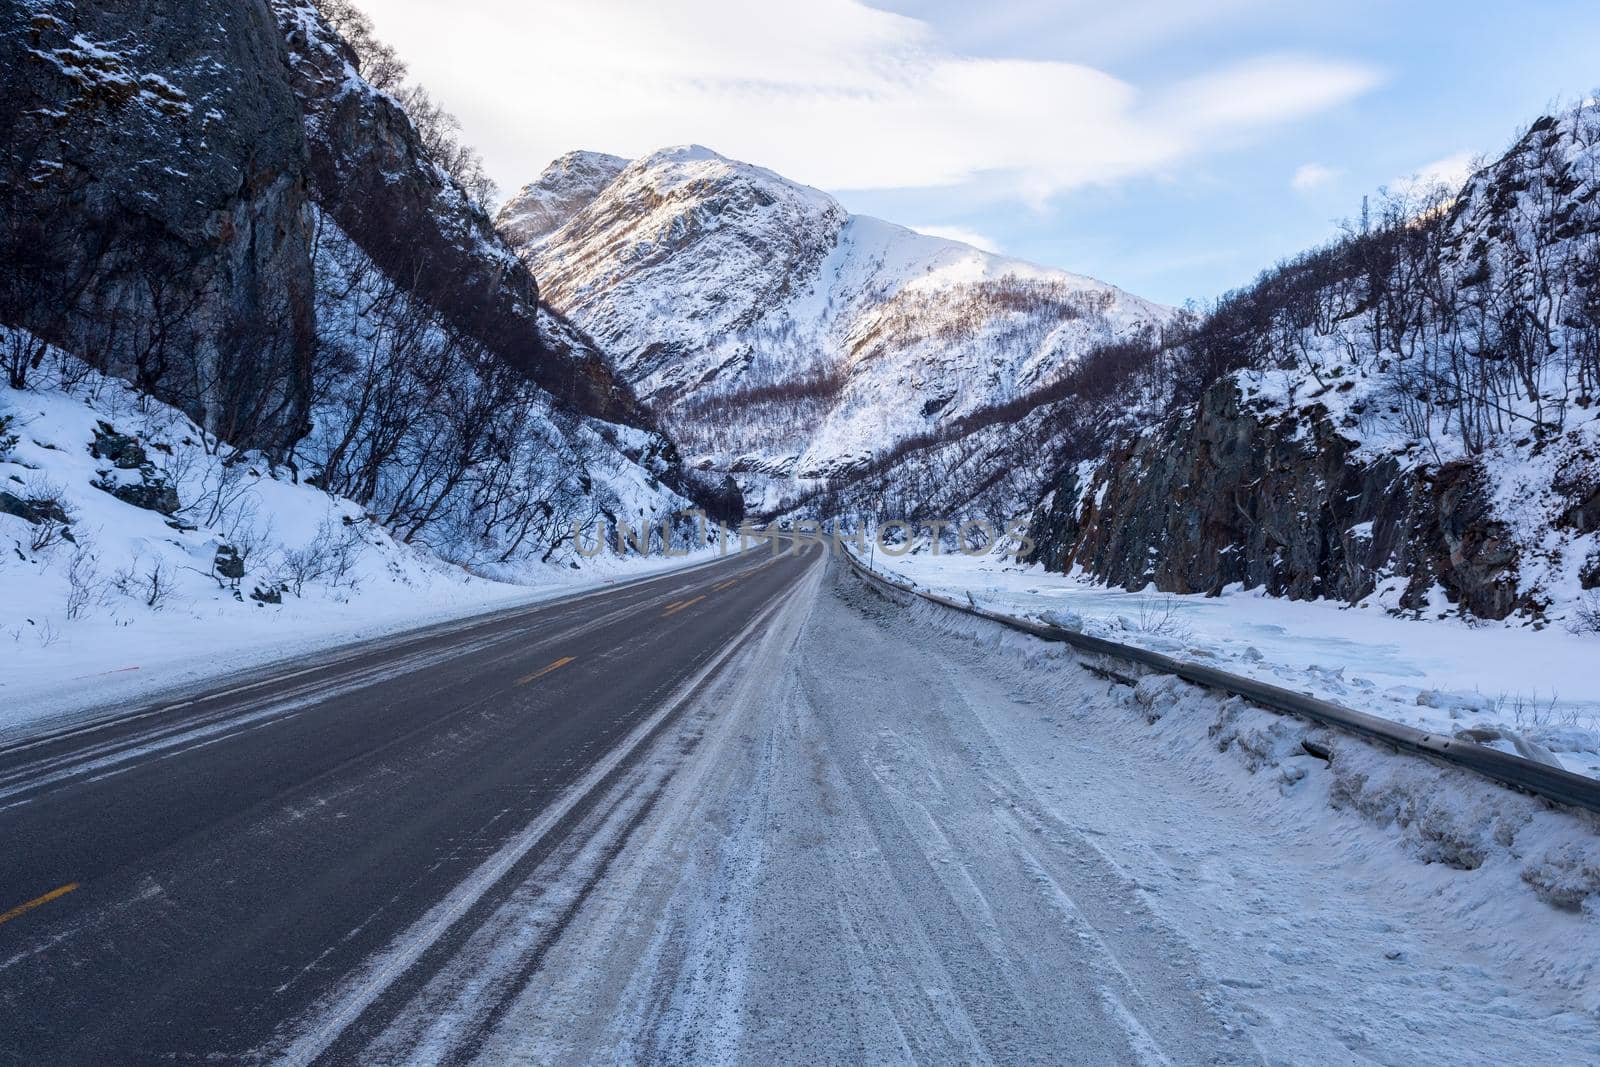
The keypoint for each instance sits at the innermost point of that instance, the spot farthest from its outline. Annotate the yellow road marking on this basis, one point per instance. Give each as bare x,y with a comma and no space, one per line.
23,909
724,585
680,607
674,604
562,662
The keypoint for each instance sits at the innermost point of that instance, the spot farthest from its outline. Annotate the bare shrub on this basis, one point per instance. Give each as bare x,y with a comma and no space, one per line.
153,582
54,515
159,585
84,586
1161,617
48,634
329,557
246,532
20,352
226,489
1586,616
1531,713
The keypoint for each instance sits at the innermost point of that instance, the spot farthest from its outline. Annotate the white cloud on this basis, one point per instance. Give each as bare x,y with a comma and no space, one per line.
1451,172
1270,89
962,234
1311,176
830,92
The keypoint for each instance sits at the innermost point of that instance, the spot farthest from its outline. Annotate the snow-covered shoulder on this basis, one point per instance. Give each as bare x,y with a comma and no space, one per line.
1533,693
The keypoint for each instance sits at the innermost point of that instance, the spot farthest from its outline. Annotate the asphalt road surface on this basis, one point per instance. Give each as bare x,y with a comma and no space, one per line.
264,871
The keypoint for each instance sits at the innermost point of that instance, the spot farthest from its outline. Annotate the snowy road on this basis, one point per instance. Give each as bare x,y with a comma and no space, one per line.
875,842
848,834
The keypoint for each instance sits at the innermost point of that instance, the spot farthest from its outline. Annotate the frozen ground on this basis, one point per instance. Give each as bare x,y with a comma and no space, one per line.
886,834
1538,690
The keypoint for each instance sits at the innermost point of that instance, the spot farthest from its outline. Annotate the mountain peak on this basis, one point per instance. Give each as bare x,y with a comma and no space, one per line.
689,153
667,167
561,191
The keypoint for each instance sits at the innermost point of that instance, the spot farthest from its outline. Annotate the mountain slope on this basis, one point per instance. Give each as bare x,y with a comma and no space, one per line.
789,342
1408,415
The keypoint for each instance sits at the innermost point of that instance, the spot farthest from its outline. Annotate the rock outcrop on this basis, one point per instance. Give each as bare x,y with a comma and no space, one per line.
1235,491
153,206
1406,412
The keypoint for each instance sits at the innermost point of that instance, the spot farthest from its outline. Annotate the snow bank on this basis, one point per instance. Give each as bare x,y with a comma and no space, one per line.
1498,685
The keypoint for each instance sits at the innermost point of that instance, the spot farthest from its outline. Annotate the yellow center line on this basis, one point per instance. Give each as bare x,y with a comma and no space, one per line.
674,604
23,909
562,662
680,607
724,585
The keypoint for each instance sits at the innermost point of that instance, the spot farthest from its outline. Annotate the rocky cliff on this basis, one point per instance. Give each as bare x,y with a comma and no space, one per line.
369,170
208,200
1240,491
153,204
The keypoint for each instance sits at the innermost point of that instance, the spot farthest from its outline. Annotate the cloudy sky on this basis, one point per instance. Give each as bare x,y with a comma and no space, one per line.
1174,147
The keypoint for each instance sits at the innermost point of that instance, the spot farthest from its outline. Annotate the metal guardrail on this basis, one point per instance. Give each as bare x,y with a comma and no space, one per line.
1530,776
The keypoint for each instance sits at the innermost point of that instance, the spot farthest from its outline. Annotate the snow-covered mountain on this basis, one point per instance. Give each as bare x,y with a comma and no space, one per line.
783,339
566,185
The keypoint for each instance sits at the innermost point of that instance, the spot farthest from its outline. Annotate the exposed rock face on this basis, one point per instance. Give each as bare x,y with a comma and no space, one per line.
153,210
371,173
683,254
1232,492
565,188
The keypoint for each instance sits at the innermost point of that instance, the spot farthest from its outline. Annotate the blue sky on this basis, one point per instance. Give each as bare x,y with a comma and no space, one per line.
1173,148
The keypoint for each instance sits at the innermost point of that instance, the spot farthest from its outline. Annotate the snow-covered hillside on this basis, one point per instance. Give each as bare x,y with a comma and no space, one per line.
139,550
785,340
1522,691
1407,415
